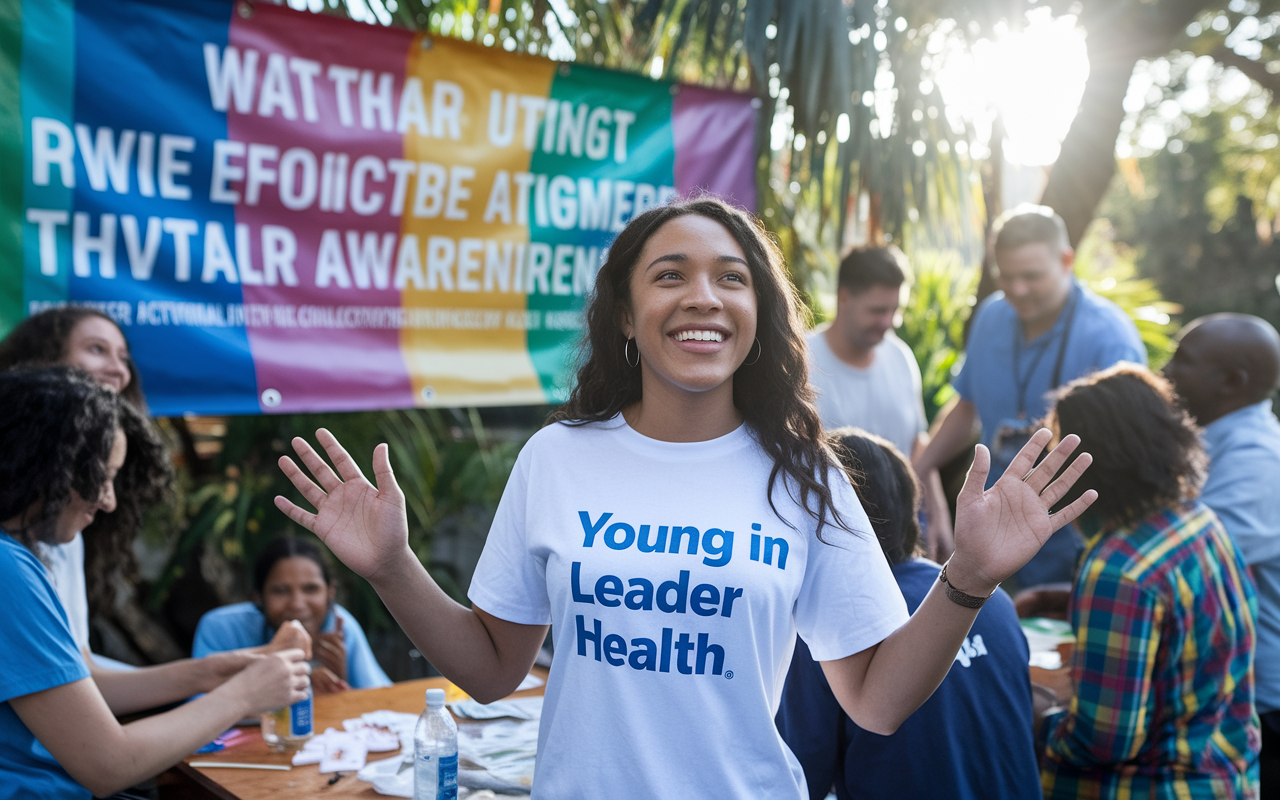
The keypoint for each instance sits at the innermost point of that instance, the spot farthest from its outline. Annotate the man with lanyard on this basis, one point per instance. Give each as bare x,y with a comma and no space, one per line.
1042,329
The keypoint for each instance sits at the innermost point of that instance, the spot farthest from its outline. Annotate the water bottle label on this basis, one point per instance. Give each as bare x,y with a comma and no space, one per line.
448,778
300,718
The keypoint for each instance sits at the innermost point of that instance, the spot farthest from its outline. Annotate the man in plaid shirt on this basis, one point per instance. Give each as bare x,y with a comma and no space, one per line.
1163,612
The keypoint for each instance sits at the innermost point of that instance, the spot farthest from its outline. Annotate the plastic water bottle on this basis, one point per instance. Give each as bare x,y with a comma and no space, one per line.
289,726
435,752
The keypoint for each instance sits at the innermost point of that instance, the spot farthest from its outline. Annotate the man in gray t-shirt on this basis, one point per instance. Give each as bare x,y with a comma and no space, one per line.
866,377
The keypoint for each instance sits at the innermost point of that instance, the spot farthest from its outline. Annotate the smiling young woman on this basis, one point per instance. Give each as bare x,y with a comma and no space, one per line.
677,523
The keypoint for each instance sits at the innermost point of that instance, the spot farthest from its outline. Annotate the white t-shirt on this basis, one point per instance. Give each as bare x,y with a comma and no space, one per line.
675,595
66,572
884,398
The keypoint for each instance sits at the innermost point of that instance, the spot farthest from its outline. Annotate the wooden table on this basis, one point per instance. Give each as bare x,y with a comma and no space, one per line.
185,781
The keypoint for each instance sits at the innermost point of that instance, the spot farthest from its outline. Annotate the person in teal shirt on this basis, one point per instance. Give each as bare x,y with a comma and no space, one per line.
292,582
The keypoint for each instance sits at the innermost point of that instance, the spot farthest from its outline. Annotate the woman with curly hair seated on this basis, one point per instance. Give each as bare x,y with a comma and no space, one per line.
61,445
86,570
1162,609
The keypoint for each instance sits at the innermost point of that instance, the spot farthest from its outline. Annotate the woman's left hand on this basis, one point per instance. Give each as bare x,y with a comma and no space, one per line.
323,681
331,650
998,530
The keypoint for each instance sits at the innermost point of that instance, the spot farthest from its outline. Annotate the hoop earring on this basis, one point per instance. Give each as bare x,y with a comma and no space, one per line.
626,355
759,352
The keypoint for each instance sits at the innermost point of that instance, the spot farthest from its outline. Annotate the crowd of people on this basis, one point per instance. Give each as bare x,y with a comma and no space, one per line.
720,481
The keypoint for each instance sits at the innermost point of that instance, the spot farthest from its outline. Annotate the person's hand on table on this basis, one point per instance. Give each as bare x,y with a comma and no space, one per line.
271,681
323,681
331,651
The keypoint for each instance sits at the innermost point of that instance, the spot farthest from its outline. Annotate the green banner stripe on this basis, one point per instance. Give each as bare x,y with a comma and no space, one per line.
648,162
11,151
48,90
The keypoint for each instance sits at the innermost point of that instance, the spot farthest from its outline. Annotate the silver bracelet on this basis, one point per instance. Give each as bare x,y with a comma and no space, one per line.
960,598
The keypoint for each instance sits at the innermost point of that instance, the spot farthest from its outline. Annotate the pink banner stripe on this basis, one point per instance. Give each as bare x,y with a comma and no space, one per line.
715,134
321,368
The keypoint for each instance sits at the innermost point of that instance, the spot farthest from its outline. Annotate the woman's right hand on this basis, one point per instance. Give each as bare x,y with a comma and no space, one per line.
272,681
290,635
364,525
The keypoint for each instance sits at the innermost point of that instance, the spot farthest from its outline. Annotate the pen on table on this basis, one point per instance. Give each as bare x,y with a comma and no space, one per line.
234,765
337,777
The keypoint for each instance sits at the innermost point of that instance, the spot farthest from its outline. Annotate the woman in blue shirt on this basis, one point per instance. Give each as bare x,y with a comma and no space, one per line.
62,444
292,582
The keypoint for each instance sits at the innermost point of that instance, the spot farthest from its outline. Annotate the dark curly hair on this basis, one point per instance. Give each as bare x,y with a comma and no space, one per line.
42,339
143,481
56,435
772,393
887,487
1146,450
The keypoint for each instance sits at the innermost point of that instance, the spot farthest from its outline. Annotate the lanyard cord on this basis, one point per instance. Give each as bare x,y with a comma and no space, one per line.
1023,383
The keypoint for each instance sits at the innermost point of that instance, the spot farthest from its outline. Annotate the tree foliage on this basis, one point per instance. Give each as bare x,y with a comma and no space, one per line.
1202,211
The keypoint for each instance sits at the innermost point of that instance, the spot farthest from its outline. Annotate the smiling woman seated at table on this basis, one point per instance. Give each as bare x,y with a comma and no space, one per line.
61,444
291,581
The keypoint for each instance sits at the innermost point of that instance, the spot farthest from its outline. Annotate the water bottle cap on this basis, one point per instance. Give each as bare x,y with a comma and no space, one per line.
435,697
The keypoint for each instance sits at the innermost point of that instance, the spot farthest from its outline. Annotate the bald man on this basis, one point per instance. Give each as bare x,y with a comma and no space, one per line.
1225,369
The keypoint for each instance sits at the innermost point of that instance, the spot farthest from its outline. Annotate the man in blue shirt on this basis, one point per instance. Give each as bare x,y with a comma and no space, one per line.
1042,330
1225,369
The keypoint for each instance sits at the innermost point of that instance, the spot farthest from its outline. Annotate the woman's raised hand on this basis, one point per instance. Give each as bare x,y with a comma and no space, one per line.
364,525
998,530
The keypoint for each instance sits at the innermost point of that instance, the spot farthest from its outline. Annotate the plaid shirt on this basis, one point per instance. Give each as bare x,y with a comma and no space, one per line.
1163,667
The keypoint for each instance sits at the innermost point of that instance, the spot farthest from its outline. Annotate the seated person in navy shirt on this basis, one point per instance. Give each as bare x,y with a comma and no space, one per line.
292,582
973,738
61,444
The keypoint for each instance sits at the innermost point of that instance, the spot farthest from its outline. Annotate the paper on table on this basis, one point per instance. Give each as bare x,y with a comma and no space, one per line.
1044,634
346,751
506,751
387,780
1046,659
519,708
377,738
501,745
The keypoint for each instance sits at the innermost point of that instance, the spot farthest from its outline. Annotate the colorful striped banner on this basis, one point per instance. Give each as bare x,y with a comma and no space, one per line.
289,212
